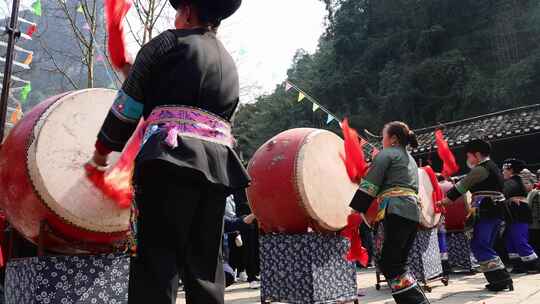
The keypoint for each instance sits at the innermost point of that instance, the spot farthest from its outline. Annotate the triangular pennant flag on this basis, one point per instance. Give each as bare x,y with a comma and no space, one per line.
28,59
86,26
315,107
100,58
330,119
17,114
26,91
36,7
301,96
80,9
288,86
31,30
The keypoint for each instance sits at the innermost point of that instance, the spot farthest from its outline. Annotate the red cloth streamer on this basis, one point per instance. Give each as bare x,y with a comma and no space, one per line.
31,30
450,167
354,159
116,10
437,194
356,251
116,182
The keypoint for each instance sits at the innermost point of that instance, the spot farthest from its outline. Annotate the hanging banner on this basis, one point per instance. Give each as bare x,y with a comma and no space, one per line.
28,59
25,92
315,107
17,114
36,8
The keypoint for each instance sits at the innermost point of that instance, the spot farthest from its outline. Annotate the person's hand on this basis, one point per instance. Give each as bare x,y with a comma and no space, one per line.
444,203
250,219
99,161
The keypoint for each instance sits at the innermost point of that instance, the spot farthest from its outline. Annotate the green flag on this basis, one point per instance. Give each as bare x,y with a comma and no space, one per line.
25,92
80,9
36,7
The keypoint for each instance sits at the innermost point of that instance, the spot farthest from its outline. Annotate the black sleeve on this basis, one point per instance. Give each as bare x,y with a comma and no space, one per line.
361,201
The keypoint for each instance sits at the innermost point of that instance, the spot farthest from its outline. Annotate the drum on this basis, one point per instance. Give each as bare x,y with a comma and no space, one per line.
43,186
428,218
300,182
456,213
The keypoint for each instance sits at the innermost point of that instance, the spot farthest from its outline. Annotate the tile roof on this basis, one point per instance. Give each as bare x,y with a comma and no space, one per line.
495,126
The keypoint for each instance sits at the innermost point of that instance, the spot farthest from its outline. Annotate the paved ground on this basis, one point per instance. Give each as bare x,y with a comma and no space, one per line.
462,290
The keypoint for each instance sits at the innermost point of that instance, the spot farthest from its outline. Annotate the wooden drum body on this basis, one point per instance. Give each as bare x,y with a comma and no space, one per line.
456,213
300,182
42,179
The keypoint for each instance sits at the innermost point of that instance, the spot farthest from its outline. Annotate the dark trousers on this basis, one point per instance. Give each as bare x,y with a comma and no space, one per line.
399,235
180,226
366,235
534,239
252,262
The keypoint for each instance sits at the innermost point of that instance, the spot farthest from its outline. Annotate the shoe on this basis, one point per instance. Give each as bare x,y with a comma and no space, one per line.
532,267
243,277
517,266
496,287
499,280
414,295
254,285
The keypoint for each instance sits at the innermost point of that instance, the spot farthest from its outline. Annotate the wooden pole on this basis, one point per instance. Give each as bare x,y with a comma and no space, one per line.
13,33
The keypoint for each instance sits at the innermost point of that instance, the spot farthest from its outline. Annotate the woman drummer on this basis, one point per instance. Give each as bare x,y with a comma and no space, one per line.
185,84
393,179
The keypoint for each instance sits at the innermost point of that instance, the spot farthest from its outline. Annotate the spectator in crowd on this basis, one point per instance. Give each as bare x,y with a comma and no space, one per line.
531,182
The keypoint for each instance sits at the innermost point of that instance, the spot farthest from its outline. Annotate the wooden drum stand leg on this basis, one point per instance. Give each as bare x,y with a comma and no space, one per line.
43,231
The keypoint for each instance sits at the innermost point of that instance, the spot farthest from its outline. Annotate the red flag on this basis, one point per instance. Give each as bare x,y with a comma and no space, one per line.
31,30
354,159
450,167
116,11
437,194
356,251
116,183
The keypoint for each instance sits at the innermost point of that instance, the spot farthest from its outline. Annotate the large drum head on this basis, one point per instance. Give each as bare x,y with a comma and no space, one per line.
323,183
64,141
428,217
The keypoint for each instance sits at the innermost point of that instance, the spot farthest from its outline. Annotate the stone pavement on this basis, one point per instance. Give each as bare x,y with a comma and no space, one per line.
463,289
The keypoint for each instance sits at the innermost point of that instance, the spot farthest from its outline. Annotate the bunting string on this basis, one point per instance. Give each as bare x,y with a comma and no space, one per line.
318,106
17,48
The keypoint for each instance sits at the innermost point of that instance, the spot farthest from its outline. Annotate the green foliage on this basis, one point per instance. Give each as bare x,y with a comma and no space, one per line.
420,61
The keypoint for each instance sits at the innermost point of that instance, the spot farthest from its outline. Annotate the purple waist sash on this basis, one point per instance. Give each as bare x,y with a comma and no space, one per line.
188,122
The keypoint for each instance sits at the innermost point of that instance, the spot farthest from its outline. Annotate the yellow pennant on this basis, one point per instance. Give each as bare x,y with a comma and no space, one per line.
17,114
301,96
29,59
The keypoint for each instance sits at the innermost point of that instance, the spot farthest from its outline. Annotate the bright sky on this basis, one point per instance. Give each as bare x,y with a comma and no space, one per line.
263,37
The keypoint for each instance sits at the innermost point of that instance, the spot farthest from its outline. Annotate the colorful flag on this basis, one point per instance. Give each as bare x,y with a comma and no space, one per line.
330,119
86,26
301,96
36,7
31,30
80,9
288,86
100,58
29,59
315,107
26,91
17,114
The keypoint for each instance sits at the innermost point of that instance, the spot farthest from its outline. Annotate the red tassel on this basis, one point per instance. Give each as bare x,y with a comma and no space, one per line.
437,194
116,10
450,167
116,183
354,159
356,251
